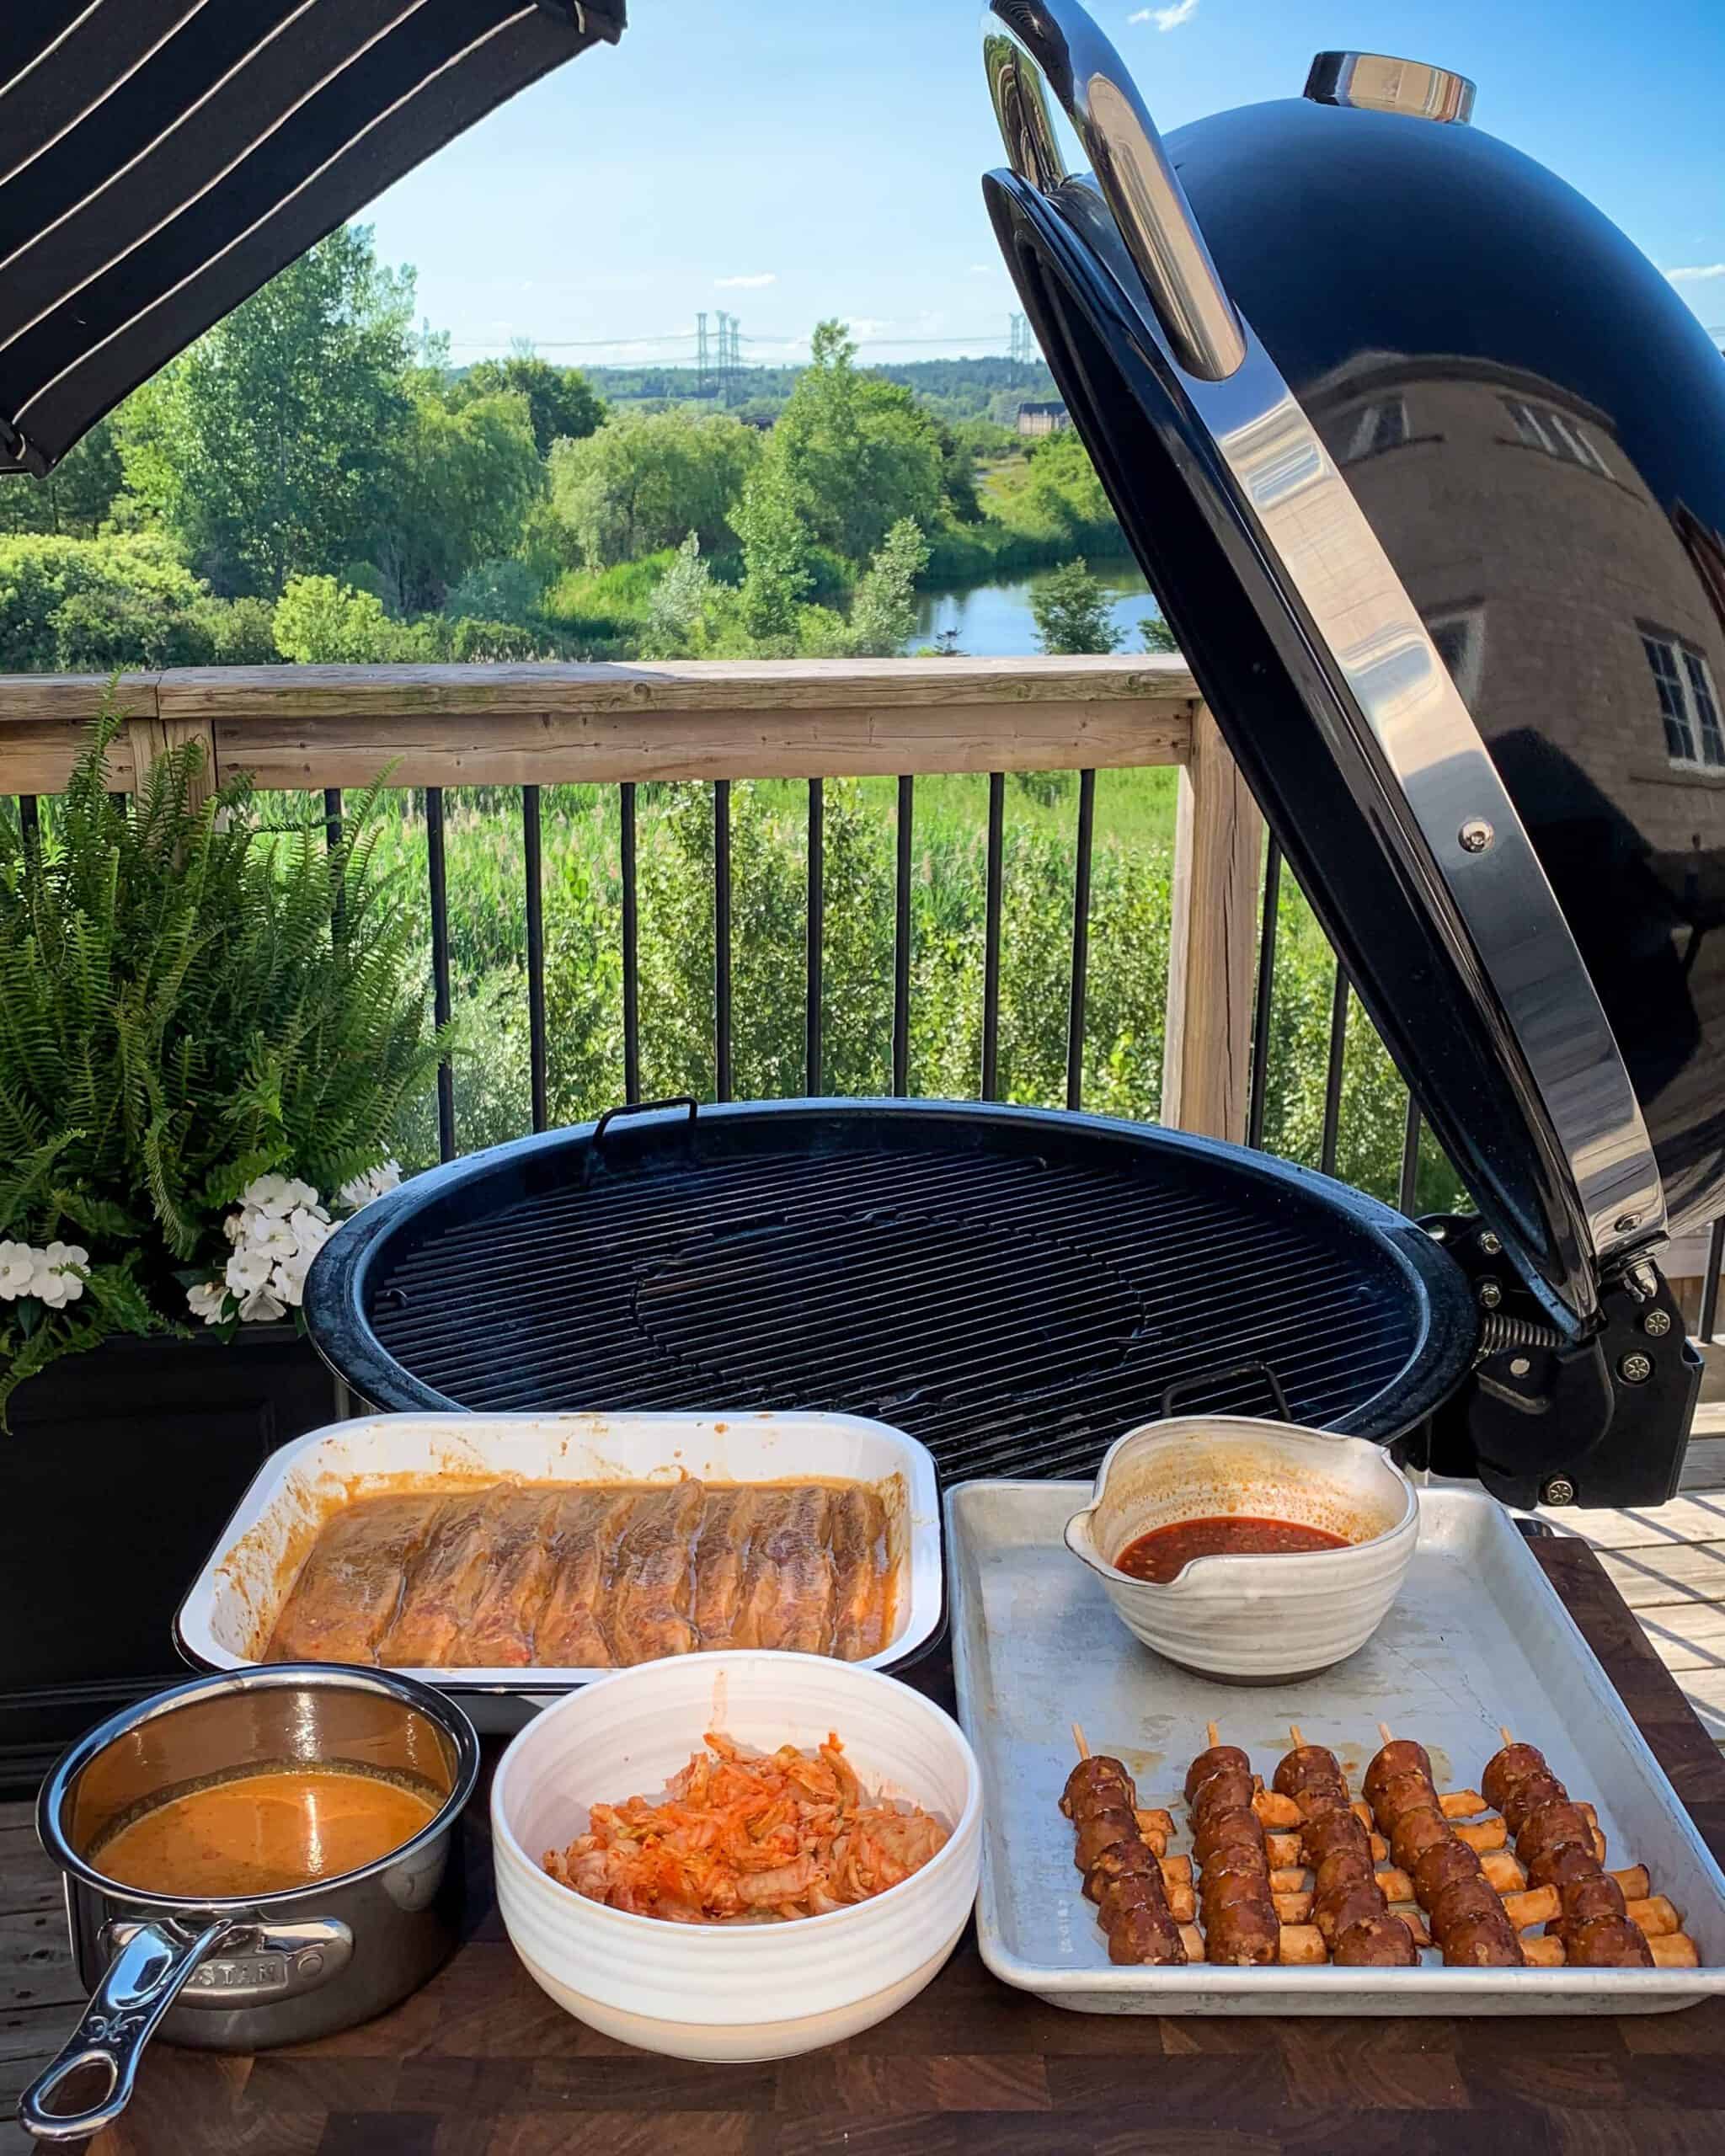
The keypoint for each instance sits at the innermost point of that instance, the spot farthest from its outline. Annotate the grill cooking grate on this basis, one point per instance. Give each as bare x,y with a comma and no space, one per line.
1015,1307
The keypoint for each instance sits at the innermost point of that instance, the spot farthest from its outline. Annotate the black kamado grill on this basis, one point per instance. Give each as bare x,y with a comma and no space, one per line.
1014,1286
1427,466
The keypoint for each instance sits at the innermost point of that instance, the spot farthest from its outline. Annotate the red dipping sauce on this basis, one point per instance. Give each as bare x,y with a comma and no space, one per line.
1160,1554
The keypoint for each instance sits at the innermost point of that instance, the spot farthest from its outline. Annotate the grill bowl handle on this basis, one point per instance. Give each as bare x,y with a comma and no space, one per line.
646,1107
1220,1375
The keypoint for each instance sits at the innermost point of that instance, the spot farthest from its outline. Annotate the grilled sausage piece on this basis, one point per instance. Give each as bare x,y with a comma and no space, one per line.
1133,1860
1351,1906
1216,1829
1552,1828
1306,1763
1415,1833
1212,1762
1590,1898
1609,1943
1231,1891
1401,1794
1335,1830
1323,1800
1378,1942
1483,1942
1556,1867
1440,1865
1400,1756
1145,1934
1135,1891
1246,1857
1091,1776
1505,1768
1341,1869
1532,1794
1100,1831
1459,1902
1245,1937
1228,1789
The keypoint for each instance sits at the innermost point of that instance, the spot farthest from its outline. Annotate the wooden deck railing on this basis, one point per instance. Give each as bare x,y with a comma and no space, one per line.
310,727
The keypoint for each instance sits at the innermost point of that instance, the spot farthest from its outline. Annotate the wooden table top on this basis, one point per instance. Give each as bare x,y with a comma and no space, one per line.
482,2063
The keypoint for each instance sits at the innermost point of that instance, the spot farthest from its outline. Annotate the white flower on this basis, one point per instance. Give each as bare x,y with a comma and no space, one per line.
277,1195
261,1307
17,1269
233,1225
373,1184
311,1229
263,1232
248,1270
53,1280
208,1300
288,1280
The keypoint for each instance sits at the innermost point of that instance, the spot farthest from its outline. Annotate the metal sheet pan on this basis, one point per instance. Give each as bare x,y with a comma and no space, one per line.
1477,1637
230,1607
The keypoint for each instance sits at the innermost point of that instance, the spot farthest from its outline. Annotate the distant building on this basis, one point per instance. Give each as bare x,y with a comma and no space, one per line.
1048,418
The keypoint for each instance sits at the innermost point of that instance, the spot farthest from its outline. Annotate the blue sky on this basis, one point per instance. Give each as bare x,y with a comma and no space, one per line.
787,160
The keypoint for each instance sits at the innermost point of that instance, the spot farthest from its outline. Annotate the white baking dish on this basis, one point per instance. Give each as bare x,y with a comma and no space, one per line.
227,1617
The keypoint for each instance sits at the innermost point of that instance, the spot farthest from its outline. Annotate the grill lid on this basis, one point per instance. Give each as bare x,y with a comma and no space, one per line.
1443,547
1014,1286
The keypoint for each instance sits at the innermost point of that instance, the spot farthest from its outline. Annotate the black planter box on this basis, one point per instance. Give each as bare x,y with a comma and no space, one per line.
119,1471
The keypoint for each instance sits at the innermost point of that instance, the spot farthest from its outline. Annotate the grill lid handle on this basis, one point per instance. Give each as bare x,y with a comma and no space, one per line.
1053,45
646,1107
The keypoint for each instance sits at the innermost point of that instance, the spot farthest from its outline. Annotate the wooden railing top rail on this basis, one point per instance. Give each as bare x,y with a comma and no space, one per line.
315,726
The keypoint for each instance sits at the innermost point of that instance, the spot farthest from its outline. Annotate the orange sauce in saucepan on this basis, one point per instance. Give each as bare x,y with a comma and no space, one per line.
264,1833
1159,1555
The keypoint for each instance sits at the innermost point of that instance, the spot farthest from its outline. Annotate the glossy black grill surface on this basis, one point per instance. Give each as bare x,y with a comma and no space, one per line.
1015,1289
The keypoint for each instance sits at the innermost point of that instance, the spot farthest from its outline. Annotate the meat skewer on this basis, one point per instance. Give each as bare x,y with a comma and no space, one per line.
1240,1925
1122,1873
1559,1847
1467,1919
1348,1902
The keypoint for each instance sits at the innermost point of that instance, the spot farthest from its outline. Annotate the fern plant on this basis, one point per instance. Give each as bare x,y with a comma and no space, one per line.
188,1001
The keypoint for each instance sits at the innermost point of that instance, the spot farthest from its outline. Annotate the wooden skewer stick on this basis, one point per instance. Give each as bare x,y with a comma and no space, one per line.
1213,1734
1504,1734
1294,1731
1078,1739
1384,1731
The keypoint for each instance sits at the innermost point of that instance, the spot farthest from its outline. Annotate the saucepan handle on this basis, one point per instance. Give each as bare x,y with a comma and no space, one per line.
1031,46
143,1980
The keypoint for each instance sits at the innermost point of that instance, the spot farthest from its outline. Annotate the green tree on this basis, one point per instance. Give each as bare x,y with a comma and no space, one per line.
1156,634
676,613
459,485
1070,611
775,555
884,612
266,448
504,591
1064,488
858,452
72,501
562,403
72,604
646,478
319,622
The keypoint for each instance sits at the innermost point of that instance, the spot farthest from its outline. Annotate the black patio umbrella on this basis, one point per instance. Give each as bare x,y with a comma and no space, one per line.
161,159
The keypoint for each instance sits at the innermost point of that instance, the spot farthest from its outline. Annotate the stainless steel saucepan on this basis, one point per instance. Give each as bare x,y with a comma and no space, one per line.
241,1976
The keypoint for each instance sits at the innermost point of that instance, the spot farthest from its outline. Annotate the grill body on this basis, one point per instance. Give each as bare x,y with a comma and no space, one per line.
1014,1286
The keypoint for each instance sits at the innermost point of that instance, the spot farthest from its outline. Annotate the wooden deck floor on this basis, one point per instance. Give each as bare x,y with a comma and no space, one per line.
1669,1565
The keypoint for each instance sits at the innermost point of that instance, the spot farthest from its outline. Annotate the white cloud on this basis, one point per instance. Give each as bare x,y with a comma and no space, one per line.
1166,18
982,269
1696,273
751,284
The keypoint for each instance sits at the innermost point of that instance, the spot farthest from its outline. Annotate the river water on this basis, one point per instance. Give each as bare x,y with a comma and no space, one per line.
994,620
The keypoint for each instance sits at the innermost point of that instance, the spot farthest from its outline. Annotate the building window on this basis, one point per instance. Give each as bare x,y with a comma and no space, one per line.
1382,425
1541,428
1688,702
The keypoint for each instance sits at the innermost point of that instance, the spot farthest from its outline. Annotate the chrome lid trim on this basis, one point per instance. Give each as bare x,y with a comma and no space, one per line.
1377,81
1516,950
1030,46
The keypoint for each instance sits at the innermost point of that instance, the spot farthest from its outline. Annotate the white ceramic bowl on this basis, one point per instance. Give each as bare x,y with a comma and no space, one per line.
1252,1620
731,1992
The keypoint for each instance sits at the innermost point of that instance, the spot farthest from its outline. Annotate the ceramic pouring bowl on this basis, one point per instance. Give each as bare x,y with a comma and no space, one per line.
1252,1620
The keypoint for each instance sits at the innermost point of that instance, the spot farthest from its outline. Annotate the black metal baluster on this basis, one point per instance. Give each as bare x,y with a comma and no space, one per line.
991,936
440,964
817,930
1410,1158
632,949
29,815
722,938
1257,1093
533,874
901,943
333,831
1710,1286
1332,1073
1081,939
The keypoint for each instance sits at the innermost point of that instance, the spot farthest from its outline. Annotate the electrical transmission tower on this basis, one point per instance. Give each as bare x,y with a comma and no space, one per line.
703,361
730,357
1021,347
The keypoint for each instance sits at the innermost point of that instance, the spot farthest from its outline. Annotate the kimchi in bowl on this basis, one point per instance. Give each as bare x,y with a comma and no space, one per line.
732,1990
